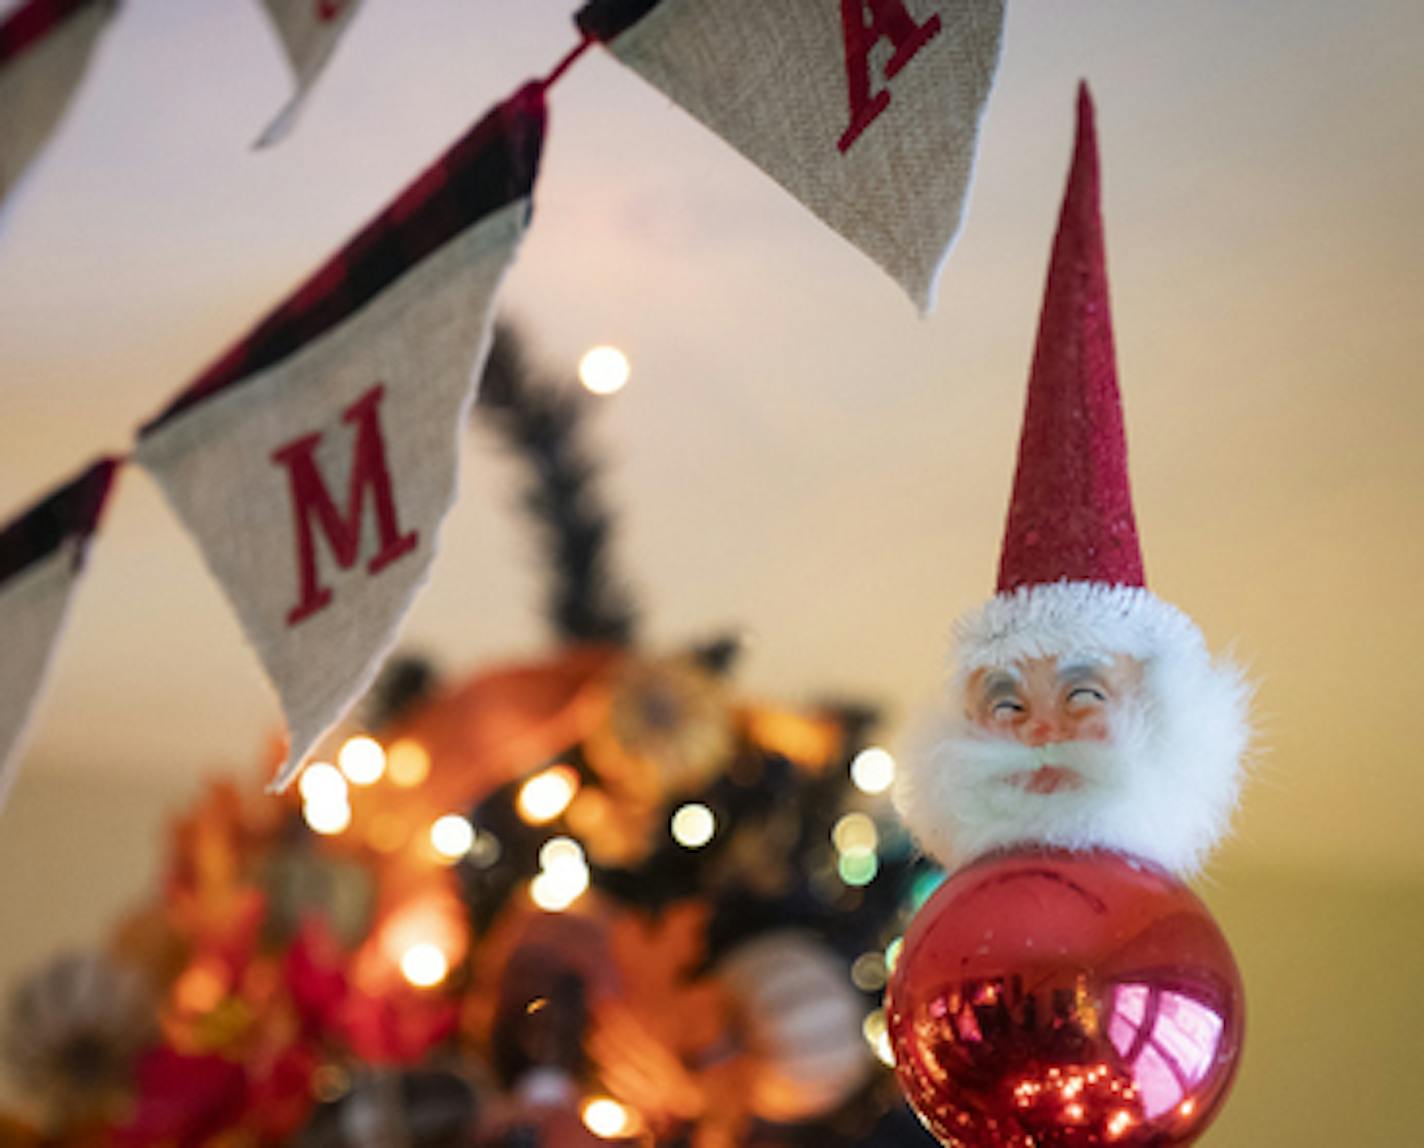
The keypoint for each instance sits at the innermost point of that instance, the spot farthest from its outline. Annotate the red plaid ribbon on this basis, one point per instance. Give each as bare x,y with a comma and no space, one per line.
32,22
493,165
69,512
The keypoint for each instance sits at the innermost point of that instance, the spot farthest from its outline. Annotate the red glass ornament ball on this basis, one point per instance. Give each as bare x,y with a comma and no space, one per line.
1045,998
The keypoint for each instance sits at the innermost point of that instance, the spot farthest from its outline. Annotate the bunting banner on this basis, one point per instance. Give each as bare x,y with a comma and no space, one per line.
309,31
315,461
44,48
867,111
41,556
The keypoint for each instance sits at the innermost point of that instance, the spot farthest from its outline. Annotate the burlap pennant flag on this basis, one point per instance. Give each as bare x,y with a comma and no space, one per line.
309,31
41,556
44,48
316,460
866,110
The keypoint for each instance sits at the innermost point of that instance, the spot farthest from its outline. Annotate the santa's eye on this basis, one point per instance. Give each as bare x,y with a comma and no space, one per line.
1082,696
1006,708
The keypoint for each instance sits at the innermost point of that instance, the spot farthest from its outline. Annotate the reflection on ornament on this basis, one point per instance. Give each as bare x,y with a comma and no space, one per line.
546,795
362,760
1065,999
873,770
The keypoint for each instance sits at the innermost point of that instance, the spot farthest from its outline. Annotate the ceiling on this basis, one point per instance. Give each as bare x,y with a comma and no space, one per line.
798,455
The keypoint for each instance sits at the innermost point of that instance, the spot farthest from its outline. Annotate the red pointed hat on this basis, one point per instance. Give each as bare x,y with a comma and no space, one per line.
1071,513
1070,573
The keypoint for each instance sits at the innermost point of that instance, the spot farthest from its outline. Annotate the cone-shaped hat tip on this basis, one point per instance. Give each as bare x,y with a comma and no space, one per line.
1071,515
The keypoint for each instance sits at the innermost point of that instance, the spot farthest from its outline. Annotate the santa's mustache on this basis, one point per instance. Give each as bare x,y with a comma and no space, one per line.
1078,764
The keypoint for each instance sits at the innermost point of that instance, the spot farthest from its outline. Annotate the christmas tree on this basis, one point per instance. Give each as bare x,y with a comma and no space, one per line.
597,896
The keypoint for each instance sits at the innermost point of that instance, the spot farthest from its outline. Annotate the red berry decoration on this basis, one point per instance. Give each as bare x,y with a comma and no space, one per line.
1045,998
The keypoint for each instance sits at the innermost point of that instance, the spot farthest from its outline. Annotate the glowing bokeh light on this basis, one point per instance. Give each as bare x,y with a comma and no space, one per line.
407,763
327,817
546,795
322,782
362,760
868,973
485,849
558,852
693,825
873,770
424,965
877,1034
554,890
452,836
858,868
855,833
604,370
607,1119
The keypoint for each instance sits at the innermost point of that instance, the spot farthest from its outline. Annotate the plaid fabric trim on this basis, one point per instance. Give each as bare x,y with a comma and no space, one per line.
69,512
493,165
32,22
605,19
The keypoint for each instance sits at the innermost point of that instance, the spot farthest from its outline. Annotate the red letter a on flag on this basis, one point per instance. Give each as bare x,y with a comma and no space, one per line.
886,18
311,501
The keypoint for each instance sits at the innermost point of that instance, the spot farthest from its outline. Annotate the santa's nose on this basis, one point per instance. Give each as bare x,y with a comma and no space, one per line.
1041,731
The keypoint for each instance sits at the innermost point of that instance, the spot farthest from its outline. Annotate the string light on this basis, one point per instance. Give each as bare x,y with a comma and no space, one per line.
407,763
855,833
561,851
607,1119
563,875
858,869
868,972
873,770
322,782
327,817
546,795
424,965
485,849
693,825
604,370
452,836
362,760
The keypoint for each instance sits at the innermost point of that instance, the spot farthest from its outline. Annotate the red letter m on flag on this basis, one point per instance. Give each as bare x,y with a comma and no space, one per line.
863,24
313,506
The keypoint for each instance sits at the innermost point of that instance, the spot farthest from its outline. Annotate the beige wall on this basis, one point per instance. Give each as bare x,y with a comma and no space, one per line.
1335,1010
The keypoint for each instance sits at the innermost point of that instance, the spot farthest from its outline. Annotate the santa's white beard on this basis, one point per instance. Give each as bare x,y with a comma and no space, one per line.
1161,787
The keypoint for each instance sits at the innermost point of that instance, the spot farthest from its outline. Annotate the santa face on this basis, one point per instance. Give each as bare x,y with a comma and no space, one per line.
1094,750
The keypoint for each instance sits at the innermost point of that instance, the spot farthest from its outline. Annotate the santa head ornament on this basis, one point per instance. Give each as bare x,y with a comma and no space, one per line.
1086,712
